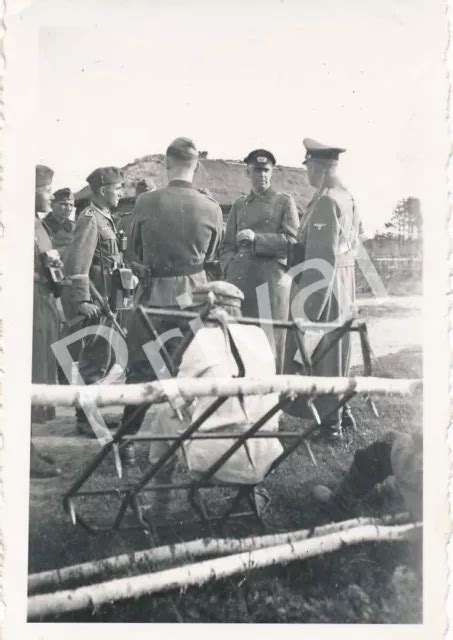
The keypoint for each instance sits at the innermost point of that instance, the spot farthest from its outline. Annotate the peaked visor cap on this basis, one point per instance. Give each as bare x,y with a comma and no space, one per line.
183,148
105,176
224,293
318,151
44,175
260,157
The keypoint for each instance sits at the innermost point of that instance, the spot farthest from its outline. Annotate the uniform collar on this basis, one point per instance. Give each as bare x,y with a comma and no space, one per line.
180,183
68,224
105,212
51,222
267,195
332,183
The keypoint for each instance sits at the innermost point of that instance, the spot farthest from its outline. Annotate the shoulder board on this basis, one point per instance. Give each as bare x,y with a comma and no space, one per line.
208,194
327,195
287,196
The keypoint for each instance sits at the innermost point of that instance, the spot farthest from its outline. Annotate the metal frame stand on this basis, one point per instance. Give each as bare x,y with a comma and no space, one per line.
242,492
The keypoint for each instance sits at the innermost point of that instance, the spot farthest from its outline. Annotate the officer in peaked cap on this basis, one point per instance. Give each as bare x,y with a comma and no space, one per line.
260,157
175,230
320,152
92,255
327,240
58,222
259,228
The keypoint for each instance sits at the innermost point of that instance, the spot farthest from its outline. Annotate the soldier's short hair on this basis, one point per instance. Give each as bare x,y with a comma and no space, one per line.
183,150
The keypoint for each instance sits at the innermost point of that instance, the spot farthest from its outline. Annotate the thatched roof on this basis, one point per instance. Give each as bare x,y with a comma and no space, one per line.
225,179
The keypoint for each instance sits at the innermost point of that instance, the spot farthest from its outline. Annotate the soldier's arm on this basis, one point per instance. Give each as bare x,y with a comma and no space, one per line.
212,253
80,256
229,247
136,235
275,245
321,250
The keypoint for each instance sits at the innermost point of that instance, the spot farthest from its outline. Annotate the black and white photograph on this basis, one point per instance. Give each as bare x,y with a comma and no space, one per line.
225,323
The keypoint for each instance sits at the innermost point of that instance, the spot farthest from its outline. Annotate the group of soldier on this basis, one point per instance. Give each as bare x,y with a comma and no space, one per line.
267,255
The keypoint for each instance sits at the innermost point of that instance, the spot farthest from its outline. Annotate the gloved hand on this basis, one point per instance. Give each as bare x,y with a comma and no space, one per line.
246,235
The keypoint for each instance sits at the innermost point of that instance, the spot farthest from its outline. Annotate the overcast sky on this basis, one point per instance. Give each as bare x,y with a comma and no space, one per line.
127,77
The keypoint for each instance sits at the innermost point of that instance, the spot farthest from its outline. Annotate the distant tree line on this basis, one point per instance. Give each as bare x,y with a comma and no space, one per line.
406,221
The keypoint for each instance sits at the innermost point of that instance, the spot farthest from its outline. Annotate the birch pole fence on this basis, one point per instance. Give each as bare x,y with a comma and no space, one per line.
197,574
143,560
190,388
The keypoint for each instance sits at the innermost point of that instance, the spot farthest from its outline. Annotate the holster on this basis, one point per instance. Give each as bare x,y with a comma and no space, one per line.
121,287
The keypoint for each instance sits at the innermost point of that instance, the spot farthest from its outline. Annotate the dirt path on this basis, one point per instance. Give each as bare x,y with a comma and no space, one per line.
393,324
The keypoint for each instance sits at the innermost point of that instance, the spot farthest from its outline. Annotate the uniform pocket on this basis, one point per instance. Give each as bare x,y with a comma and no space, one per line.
107,239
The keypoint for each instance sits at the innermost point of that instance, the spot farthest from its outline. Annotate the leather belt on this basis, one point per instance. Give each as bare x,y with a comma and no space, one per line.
174,271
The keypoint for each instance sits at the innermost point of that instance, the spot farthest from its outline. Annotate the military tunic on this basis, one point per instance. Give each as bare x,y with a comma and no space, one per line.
60,233
94,242
46,324
327,241
93,249
176,229
274,219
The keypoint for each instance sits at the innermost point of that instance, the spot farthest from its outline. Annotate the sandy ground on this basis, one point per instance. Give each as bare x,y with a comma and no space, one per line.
393,324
